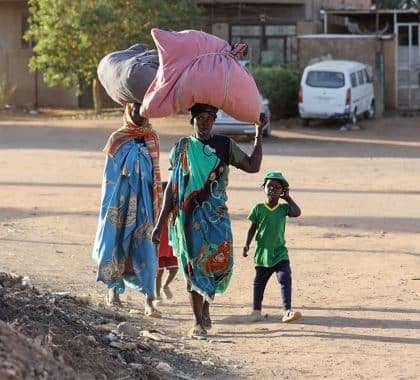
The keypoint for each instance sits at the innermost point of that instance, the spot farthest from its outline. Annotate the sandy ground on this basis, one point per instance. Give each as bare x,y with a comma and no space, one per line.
355,251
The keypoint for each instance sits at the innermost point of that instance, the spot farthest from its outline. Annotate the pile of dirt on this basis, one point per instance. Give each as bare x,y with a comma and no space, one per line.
57,336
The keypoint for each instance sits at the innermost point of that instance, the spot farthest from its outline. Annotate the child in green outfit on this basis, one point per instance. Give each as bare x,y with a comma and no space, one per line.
268,221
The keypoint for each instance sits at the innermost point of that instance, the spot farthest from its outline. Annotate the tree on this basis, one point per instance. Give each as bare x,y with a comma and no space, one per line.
71,37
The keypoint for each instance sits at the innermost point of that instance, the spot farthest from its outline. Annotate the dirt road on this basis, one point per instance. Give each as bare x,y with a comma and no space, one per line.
355,251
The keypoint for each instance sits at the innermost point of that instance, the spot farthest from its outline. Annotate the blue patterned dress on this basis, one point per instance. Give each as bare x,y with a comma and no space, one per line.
123,248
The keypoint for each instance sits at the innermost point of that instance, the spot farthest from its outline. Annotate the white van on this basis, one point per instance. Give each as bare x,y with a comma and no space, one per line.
335,89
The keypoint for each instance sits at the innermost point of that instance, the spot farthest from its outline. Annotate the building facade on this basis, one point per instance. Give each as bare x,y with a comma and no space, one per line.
268,27
276,31
15,53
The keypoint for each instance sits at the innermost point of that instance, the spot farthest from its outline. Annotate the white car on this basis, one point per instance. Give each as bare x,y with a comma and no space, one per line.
335,89
227,125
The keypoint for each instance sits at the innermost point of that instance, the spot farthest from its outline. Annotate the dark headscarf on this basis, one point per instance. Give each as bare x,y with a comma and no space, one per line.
198,108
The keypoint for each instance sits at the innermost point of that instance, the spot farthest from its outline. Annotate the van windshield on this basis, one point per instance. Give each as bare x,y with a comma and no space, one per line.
325,79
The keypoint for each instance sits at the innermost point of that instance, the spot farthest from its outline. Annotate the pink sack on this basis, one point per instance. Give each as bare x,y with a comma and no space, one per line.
196,67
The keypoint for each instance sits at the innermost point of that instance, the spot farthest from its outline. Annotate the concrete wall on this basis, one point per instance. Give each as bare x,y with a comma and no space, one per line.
308,27
344,4
276,12
14,59
313,7
389,49
364,50
221,30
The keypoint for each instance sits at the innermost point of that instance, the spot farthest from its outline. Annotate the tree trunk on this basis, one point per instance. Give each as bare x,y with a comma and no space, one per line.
96,96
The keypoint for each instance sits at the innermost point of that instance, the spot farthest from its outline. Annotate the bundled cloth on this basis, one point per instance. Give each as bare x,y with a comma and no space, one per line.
197,67
127,74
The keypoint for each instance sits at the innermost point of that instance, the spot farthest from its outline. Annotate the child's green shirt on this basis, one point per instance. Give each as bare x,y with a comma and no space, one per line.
270,244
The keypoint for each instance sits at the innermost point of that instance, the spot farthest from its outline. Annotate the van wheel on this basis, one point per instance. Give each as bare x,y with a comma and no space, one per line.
353,117
305,122
370,113
267,131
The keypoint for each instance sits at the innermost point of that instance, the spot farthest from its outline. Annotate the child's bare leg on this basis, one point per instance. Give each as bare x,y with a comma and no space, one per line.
158,282
171,276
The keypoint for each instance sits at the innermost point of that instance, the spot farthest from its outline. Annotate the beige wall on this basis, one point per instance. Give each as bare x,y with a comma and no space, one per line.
14,59
360,49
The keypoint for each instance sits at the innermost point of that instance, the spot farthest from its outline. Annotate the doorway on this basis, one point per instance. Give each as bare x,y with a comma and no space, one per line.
408,66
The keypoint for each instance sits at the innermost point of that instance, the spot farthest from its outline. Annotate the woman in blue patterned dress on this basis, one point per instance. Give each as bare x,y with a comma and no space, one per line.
131,201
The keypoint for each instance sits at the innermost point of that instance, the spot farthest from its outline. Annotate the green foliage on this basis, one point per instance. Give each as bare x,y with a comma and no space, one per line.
71,37
280,85
6,92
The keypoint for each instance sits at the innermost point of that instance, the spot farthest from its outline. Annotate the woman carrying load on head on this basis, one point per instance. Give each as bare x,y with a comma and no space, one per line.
200,230
131,201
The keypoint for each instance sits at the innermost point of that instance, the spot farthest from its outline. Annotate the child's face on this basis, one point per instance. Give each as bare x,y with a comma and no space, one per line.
273,189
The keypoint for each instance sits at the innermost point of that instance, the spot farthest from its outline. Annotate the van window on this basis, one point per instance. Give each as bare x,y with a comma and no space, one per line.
353,79
360,75
325,79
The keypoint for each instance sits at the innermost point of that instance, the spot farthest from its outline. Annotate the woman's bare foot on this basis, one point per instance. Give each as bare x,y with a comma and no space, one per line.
205,316
150,310
113,298
198,332
206,321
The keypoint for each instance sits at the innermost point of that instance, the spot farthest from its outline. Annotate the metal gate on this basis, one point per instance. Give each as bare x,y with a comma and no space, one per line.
408,66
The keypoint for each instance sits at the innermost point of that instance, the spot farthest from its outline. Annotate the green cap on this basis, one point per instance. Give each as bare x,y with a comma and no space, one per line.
278,176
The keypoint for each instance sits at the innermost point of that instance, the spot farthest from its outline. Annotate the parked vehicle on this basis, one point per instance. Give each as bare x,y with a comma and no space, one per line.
335,89
227,125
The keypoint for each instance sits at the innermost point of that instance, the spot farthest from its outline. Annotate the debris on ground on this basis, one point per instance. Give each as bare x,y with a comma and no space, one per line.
57,336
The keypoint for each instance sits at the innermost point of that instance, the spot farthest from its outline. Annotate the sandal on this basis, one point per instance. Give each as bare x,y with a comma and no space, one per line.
291,316
152,312
198,333
115,303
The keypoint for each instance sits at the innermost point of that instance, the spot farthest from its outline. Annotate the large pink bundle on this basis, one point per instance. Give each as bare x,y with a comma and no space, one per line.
196,67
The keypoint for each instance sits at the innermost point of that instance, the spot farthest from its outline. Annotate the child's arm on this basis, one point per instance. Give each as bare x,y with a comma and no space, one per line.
250,235
294,210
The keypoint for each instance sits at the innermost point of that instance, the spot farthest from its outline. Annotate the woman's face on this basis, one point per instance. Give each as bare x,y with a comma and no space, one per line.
203,124
135,115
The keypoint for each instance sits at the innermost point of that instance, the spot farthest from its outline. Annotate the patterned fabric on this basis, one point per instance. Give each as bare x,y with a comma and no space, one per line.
200,230
129,131
131,200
